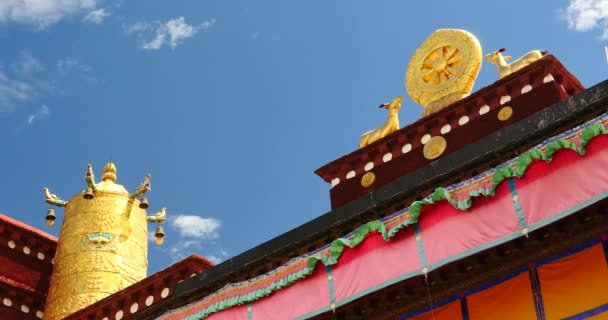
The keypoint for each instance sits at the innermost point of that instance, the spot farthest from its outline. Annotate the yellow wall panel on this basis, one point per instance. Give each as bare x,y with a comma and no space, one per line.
508,300
574,284
450,311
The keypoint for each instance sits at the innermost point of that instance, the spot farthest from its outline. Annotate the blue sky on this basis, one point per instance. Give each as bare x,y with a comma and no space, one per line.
231,105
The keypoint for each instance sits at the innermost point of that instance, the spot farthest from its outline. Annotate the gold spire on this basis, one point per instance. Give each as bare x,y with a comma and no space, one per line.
109,172
103,244
109,178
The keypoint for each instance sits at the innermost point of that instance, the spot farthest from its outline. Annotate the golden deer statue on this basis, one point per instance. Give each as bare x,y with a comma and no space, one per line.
504,68
391,125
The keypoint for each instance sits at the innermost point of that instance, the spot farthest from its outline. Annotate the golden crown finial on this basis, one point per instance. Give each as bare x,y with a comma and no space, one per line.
109,172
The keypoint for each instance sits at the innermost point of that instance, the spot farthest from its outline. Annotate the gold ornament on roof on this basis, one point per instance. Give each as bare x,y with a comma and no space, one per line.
443,69
368,179
504,69
434,147
505,113
109,172
391,125
103,243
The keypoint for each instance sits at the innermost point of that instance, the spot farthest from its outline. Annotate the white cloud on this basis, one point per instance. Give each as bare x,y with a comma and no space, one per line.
586,15
138,27
183,249
207,24
69,64
27,64
42,112
96,16
172,33
196,227
42,13
217,257
12,91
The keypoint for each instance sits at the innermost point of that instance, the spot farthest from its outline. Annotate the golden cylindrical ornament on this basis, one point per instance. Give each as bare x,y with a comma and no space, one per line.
102,249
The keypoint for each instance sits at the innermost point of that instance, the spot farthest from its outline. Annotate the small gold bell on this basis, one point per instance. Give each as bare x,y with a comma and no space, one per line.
88,194
50,217
160,235
144,203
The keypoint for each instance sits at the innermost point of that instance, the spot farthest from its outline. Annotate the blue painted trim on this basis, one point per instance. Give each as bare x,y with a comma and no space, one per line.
464,307
436,305
313,314
420,245
570,252
249,311
519,212
496,281
589,313
605,247
331,287
536,292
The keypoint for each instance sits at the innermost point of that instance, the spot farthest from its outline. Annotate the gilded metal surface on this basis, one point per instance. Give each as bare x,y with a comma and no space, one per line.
53,199
142,188
89,177
504,69
434,147
443,69
102,248
368,179
505,113
391,125
158,217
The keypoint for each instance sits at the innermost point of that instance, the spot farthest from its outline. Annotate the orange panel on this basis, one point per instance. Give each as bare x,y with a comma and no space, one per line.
574,284
601,316
508,300
450,311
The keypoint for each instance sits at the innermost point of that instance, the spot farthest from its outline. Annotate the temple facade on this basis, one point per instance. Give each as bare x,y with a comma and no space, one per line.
491,206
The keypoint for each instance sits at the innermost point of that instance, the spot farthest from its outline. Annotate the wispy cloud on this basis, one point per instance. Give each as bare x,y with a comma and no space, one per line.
171,33
185,248
196,235
27,64
196,227
587,15
12,92
42,112
69,64
96,16
42,13
220,256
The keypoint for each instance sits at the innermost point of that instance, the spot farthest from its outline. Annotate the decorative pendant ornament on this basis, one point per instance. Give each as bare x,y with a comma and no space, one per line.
505,113
88,194
50,217
159,235
144,203
434,147
368,179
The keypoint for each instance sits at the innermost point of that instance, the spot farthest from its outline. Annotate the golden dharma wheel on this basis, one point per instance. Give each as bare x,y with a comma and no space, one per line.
443,69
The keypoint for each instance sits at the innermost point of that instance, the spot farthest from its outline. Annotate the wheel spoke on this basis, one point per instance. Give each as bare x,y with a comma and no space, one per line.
427,77
447,74
437,78
453,54
454,63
